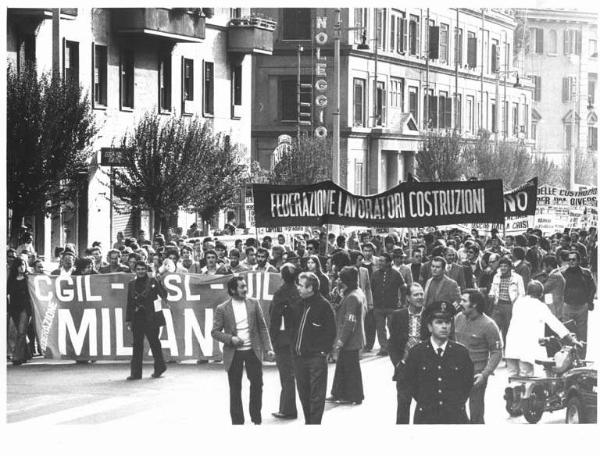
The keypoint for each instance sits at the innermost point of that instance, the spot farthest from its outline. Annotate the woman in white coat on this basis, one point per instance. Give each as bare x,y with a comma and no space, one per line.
529,316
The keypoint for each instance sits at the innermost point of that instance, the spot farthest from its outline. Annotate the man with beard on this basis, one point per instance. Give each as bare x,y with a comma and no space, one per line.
262,258
439,371
114,263
240,325
405,333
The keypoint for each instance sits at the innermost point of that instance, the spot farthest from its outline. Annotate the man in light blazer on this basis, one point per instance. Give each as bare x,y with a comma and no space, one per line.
240,325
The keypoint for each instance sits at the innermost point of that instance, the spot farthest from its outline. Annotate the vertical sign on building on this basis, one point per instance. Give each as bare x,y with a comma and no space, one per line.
321,39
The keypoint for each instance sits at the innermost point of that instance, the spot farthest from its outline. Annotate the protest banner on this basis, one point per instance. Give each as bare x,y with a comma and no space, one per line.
83,317
559,209
521,200
554,196
409,204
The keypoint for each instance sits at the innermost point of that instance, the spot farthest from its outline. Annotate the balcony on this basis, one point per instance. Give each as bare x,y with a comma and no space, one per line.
250,35
173,24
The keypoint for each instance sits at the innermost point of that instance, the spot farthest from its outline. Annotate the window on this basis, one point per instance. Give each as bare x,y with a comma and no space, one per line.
495,57
592,138
414,33
593,48
236,85
99,76
526,120
360,21
537,91
381,104
413,103
359,102
25,51
470,114
393,33
188,80
569,89
534,131
209,88
127,70
515,114
235,13
397,36
592,82
71,61
380,23
444,42
397,93
288,106
445,110
568,135
358,178
552,42
430,102
164,82
433,42
458,46
494,120
296,24
572,42
536,43
471,50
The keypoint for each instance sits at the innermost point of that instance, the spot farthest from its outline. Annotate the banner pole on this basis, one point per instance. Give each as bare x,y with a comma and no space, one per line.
410,246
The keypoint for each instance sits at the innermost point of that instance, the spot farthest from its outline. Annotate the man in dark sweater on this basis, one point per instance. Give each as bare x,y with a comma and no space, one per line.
579,295
313,335
286,301
388,290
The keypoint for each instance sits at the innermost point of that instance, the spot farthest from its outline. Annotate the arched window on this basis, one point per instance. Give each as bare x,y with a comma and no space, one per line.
553,44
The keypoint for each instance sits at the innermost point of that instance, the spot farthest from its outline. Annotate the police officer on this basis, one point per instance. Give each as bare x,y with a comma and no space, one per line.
439,372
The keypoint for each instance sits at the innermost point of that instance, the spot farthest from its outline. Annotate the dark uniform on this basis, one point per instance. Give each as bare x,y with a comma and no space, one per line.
440,385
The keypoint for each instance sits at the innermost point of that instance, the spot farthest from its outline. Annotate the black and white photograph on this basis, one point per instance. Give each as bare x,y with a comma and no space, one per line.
363,217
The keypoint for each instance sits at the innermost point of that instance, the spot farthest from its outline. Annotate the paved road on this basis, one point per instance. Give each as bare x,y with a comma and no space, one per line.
51,392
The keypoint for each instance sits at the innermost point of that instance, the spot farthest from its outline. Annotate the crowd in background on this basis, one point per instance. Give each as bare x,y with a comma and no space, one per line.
468,260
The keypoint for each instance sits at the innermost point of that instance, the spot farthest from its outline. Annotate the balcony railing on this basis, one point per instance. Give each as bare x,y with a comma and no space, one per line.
176,24
250,35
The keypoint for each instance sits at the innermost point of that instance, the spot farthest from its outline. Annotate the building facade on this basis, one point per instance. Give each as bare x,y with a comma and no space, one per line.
559,49
390,92
174,61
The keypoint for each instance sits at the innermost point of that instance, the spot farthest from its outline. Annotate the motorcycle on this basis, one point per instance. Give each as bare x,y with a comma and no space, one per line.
532,396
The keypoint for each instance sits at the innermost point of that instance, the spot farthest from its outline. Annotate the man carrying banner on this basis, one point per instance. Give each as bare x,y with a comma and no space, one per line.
144,321
240,325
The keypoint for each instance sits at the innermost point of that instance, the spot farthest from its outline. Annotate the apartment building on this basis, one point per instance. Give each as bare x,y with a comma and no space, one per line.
559,49
391,92
174,61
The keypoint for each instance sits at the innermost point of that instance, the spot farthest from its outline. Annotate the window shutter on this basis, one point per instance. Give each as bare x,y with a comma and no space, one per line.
578,42
404,35
434,42
539,41
567,39
448,113
566,89
472,52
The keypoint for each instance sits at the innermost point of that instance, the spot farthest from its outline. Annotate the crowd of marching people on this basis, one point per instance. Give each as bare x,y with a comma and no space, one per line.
446,301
